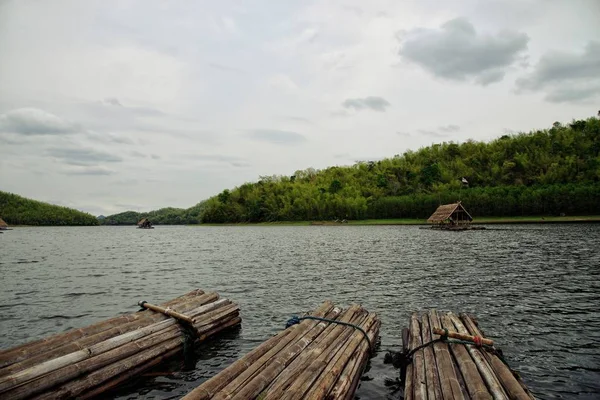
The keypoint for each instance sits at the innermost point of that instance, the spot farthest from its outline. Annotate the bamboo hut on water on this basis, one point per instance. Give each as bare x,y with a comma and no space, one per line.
3,225
145,224
451,216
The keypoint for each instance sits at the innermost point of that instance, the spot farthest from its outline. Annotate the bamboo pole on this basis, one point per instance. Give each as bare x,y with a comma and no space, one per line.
166,311
302,354
349,379
334,369
321,355
408,373
434,391
492,383
448,379
107,377
509,382
91,340
68,367
212,386
473,381
258,376
54,342
419,380
462,336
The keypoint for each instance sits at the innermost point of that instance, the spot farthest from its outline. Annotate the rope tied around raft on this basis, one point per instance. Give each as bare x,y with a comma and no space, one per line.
405,358
296,320
189,333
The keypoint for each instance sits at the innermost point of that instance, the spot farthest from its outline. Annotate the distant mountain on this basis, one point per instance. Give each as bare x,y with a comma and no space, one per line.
18,210
164,216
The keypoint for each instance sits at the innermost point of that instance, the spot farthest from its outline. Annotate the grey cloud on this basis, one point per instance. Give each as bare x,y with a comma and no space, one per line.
231,160
82,156
138,154
372,102
566,77
457,52
559,67
573,94
449,128
155,156
110,138
113,101
33,121
276,137
297,119
426,132
90,171
224,68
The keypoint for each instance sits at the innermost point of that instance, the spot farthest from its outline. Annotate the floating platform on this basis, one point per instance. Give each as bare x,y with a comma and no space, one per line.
312,358
461,363
84,363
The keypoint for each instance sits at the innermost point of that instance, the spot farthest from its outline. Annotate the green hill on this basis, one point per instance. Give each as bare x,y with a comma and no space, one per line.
164,216
546,172
17,210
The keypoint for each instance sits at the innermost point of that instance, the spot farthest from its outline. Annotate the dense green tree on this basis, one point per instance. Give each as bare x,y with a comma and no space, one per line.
17,210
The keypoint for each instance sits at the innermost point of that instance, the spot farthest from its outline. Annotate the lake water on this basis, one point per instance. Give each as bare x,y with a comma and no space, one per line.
534,288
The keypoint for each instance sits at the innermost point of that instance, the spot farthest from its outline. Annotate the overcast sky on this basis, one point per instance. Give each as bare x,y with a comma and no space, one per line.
108,106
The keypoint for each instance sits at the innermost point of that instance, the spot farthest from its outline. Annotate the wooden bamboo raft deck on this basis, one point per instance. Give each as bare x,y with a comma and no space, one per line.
452,370
84,363
310,360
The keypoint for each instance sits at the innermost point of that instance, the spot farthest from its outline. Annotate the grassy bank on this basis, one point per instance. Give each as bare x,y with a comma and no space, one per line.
482,220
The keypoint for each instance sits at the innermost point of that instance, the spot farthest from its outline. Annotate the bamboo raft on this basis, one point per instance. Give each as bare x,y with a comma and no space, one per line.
86,362
313,359
445,370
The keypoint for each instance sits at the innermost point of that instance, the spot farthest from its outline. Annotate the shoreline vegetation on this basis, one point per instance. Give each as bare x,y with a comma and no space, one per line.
399,221
515,178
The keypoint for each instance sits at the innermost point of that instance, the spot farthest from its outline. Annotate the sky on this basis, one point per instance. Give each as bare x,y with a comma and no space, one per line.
108,106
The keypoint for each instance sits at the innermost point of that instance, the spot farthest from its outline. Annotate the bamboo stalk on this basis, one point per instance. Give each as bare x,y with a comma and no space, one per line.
101,380
473,381
350,377
509,382
321,356
419,380
212,386
462,336
302,354
492,383
166,311
408,373
91,340
106,352
112,359
434,391
334,369
26,350
448,379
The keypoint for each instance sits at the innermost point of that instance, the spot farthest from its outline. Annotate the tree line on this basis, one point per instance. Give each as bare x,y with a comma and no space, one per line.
17,210
544,172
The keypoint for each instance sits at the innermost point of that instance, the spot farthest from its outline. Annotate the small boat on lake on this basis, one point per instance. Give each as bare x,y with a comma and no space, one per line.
145,224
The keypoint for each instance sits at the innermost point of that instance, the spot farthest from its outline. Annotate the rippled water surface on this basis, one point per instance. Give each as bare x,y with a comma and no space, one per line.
534,288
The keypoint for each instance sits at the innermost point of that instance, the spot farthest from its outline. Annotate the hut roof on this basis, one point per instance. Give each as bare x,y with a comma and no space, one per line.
2,223
143,220
444,212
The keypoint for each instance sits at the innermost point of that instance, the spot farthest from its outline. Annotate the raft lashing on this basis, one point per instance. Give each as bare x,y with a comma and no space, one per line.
311,359
86,362
460,363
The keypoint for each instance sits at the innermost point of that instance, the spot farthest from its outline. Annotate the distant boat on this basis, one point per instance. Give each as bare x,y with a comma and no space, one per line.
145,224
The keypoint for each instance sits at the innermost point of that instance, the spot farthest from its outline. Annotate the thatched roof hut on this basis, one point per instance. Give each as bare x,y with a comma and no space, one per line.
3,224
453,213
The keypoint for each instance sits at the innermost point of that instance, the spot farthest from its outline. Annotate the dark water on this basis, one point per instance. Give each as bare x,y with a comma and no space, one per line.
534,288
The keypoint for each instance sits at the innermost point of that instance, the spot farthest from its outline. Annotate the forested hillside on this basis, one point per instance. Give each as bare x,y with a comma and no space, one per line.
546,172
164,216
17,210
